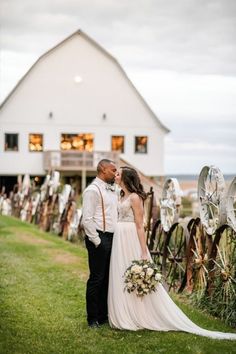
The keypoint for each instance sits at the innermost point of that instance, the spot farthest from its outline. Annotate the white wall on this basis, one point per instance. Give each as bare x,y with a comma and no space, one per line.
78,108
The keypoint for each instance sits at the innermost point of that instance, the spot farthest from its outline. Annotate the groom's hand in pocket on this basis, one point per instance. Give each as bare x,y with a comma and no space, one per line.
99,246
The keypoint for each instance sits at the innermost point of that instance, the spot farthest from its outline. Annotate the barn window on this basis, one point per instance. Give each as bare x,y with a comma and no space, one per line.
117,143
81,142
11,142
35,142
141,144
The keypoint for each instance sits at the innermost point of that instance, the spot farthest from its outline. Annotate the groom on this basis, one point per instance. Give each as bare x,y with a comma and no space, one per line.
99,219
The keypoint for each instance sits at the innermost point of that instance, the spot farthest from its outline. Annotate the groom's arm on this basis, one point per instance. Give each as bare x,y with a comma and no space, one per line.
90,200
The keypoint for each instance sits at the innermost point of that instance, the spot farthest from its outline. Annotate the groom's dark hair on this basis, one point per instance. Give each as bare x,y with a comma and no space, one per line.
102,163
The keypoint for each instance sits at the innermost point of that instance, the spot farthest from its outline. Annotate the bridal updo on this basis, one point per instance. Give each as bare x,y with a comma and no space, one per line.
131,180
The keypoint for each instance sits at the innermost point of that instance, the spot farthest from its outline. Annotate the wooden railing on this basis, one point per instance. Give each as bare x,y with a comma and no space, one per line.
76,160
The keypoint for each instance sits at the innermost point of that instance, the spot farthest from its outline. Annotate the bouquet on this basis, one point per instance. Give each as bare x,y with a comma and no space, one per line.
142,277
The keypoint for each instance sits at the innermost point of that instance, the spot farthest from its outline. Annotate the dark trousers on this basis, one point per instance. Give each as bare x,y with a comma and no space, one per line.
97,285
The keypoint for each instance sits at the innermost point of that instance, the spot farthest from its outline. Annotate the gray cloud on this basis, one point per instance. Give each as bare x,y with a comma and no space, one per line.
224,132
186,35
181,55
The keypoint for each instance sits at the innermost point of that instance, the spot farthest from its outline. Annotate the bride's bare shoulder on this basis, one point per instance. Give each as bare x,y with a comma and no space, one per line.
135,198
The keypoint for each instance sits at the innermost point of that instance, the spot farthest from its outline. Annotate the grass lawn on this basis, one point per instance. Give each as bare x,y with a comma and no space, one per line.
42,303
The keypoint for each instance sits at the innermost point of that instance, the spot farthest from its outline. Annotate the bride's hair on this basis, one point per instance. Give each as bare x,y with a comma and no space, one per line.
131,180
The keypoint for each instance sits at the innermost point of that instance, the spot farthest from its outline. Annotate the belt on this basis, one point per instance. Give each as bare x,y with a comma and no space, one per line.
106,233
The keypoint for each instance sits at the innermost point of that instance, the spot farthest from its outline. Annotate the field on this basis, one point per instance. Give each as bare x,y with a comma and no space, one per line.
42,303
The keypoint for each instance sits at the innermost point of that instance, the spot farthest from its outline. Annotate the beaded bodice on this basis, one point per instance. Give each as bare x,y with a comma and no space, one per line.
125,212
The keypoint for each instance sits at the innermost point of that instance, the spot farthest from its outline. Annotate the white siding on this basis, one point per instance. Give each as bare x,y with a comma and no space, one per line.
78,108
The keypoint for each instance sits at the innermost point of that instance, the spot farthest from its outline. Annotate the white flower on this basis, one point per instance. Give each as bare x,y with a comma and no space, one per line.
150,272
141,277
136,269
158,277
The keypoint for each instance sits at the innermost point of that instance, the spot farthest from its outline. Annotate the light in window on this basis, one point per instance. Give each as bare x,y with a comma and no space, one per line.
141,144
81,142
117,143
35,142
78,79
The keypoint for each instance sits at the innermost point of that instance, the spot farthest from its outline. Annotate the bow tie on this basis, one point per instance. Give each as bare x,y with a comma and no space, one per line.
110,187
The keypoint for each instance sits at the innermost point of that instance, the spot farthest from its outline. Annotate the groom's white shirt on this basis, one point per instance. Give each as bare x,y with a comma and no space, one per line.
92,210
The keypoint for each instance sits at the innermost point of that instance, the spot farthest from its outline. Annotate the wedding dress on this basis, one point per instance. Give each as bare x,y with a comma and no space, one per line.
155,311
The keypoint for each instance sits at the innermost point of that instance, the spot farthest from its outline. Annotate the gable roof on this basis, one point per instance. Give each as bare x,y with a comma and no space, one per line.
84,35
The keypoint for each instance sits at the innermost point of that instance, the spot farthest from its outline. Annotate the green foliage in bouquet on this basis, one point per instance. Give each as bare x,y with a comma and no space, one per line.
142,277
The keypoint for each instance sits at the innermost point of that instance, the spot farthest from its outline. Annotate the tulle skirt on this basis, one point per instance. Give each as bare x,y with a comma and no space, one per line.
155,311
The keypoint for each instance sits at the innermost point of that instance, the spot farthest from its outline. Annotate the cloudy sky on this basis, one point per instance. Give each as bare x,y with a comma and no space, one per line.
180,55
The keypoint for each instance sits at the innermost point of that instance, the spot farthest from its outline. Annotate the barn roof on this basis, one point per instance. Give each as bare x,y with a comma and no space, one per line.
84,35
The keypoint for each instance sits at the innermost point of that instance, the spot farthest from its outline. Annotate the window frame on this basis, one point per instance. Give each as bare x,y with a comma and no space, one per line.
135,144
29,142
123,147
74,135
11,150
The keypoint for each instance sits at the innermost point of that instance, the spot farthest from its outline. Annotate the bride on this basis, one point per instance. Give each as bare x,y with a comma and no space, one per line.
155,311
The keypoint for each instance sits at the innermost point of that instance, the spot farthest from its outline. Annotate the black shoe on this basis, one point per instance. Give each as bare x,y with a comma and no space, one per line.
94,324
104,321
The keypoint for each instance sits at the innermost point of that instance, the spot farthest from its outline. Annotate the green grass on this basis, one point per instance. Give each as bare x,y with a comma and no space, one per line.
42,303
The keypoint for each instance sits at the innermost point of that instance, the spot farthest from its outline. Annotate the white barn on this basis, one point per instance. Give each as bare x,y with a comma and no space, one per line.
74,106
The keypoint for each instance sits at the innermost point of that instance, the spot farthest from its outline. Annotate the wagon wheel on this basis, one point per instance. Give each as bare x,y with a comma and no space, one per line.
43,218
54,182
29,210
50,185
52,200
148,214
44,189
74,223
196,258
170,203
16,202
55,216
24,190
35,206
157,241
199,265
46,211
37,215
211,186
186,281
174,258
39,212
231,205
68,218
222,280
